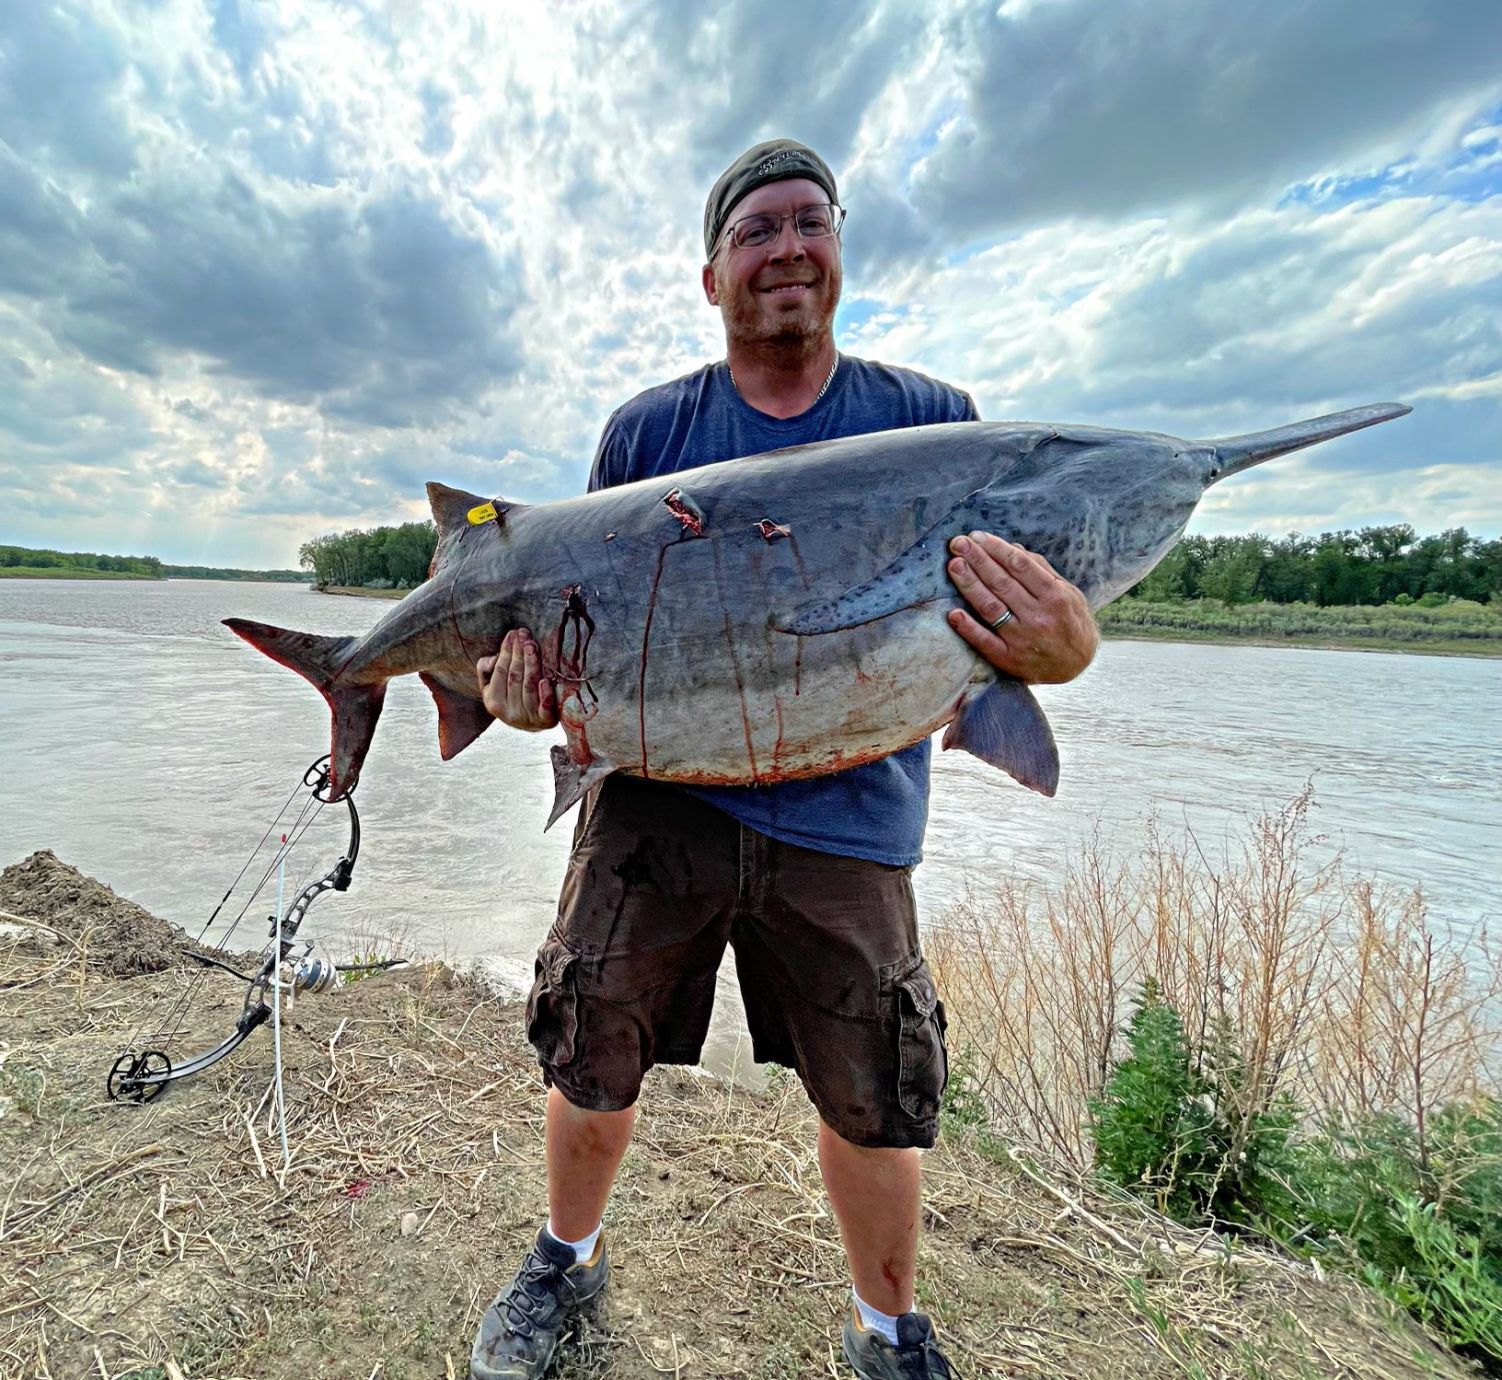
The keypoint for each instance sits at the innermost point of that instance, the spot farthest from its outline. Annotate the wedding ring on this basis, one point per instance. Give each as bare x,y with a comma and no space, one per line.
1006,617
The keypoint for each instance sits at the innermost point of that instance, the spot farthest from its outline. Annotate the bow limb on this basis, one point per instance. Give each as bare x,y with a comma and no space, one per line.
338,877
141,1074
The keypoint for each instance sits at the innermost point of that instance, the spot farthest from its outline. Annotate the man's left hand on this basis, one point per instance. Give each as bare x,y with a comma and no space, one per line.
1051,635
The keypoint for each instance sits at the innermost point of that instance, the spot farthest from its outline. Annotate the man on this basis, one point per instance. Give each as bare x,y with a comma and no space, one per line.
809,880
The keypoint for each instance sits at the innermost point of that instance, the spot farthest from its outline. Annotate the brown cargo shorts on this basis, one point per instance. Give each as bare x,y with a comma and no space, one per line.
826,949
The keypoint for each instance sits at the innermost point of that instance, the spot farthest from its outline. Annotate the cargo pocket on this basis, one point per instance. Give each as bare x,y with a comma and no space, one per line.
553,1004
923,1063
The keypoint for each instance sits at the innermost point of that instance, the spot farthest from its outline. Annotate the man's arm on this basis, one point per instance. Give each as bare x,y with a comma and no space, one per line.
1051,635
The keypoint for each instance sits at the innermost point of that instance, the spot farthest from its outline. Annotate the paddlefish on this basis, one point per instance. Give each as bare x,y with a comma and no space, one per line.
776,616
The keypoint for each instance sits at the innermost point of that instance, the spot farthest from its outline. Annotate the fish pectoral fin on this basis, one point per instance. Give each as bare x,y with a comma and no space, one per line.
1001,723
461,718
915,577
918,576
571,781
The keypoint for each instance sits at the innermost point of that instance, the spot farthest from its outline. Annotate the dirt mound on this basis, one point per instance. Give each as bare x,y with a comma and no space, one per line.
113,935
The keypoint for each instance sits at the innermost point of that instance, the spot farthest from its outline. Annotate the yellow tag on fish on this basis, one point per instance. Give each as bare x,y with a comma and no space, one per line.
484,513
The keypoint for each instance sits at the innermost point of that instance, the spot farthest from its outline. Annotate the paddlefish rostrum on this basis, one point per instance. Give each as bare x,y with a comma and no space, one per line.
777,616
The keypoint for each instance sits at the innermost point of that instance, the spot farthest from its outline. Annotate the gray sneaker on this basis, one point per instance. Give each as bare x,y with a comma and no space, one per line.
521,1328
915,1357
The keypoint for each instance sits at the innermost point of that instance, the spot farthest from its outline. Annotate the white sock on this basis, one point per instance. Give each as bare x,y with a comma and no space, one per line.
582,1249
875,1321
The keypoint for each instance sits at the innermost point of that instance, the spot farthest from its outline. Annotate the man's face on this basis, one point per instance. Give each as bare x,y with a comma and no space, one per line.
783,291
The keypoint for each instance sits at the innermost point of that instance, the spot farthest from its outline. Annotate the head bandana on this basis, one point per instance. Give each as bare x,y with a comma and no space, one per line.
777,160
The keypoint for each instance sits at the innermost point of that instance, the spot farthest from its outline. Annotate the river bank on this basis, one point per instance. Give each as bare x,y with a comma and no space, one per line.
1310,642
24,572
1458,628
164,1240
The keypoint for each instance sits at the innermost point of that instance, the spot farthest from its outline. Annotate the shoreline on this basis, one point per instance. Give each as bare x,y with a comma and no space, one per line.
1483,648
36,572
416,1181
24,572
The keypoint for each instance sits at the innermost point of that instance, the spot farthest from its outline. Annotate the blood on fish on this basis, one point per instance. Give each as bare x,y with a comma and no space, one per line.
570,669
575,731
771,531
646,642
682,507
798,560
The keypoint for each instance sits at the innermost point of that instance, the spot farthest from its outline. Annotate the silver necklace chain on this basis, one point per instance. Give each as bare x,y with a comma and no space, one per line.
824,388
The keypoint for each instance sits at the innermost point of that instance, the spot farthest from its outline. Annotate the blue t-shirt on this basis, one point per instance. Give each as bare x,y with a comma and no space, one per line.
875,811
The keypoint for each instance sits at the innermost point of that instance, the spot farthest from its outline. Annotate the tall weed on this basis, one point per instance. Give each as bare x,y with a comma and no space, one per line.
1335,992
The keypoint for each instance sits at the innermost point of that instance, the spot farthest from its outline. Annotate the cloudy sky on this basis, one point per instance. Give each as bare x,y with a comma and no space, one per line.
268,265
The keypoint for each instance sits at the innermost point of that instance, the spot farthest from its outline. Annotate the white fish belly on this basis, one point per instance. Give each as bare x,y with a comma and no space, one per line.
771,707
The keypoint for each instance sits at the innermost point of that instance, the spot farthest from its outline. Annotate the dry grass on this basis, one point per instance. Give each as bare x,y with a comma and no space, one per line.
163,1240
1341,993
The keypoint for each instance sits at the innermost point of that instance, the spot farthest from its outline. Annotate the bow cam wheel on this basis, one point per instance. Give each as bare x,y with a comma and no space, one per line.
127,1075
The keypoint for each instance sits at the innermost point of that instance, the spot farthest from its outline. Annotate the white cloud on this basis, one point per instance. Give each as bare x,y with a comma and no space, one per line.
265,265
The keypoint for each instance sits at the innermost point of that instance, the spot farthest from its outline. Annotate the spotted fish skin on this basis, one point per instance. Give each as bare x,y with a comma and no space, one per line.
778,616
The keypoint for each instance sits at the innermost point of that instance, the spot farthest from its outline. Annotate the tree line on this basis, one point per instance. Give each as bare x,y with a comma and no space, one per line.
219,572
378,558
44,559
1375,565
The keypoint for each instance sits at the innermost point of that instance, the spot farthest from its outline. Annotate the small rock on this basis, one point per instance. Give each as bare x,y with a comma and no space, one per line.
409,1223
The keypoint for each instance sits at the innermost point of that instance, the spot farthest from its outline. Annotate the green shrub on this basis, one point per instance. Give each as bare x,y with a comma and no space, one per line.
1416,1213
1150,1124
1180,1129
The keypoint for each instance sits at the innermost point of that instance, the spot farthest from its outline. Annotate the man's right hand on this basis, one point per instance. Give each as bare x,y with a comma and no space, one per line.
513,686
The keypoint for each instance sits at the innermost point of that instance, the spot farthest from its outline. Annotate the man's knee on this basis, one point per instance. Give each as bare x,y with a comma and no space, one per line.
877,1157
573,1114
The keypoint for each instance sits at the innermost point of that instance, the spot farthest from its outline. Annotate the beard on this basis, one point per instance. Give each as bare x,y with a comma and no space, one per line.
763,324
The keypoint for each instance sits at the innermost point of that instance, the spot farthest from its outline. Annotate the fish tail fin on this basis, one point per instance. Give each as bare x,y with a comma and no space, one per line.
319,660
1236,453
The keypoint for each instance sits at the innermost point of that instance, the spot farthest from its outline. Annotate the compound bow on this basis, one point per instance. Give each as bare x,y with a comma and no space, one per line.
145,1069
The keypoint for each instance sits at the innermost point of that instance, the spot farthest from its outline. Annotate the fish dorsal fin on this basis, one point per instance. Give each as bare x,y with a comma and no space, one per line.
456,509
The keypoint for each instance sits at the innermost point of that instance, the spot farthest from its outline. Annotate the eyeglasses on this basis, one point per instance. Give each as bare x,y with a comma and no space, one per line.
811,223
